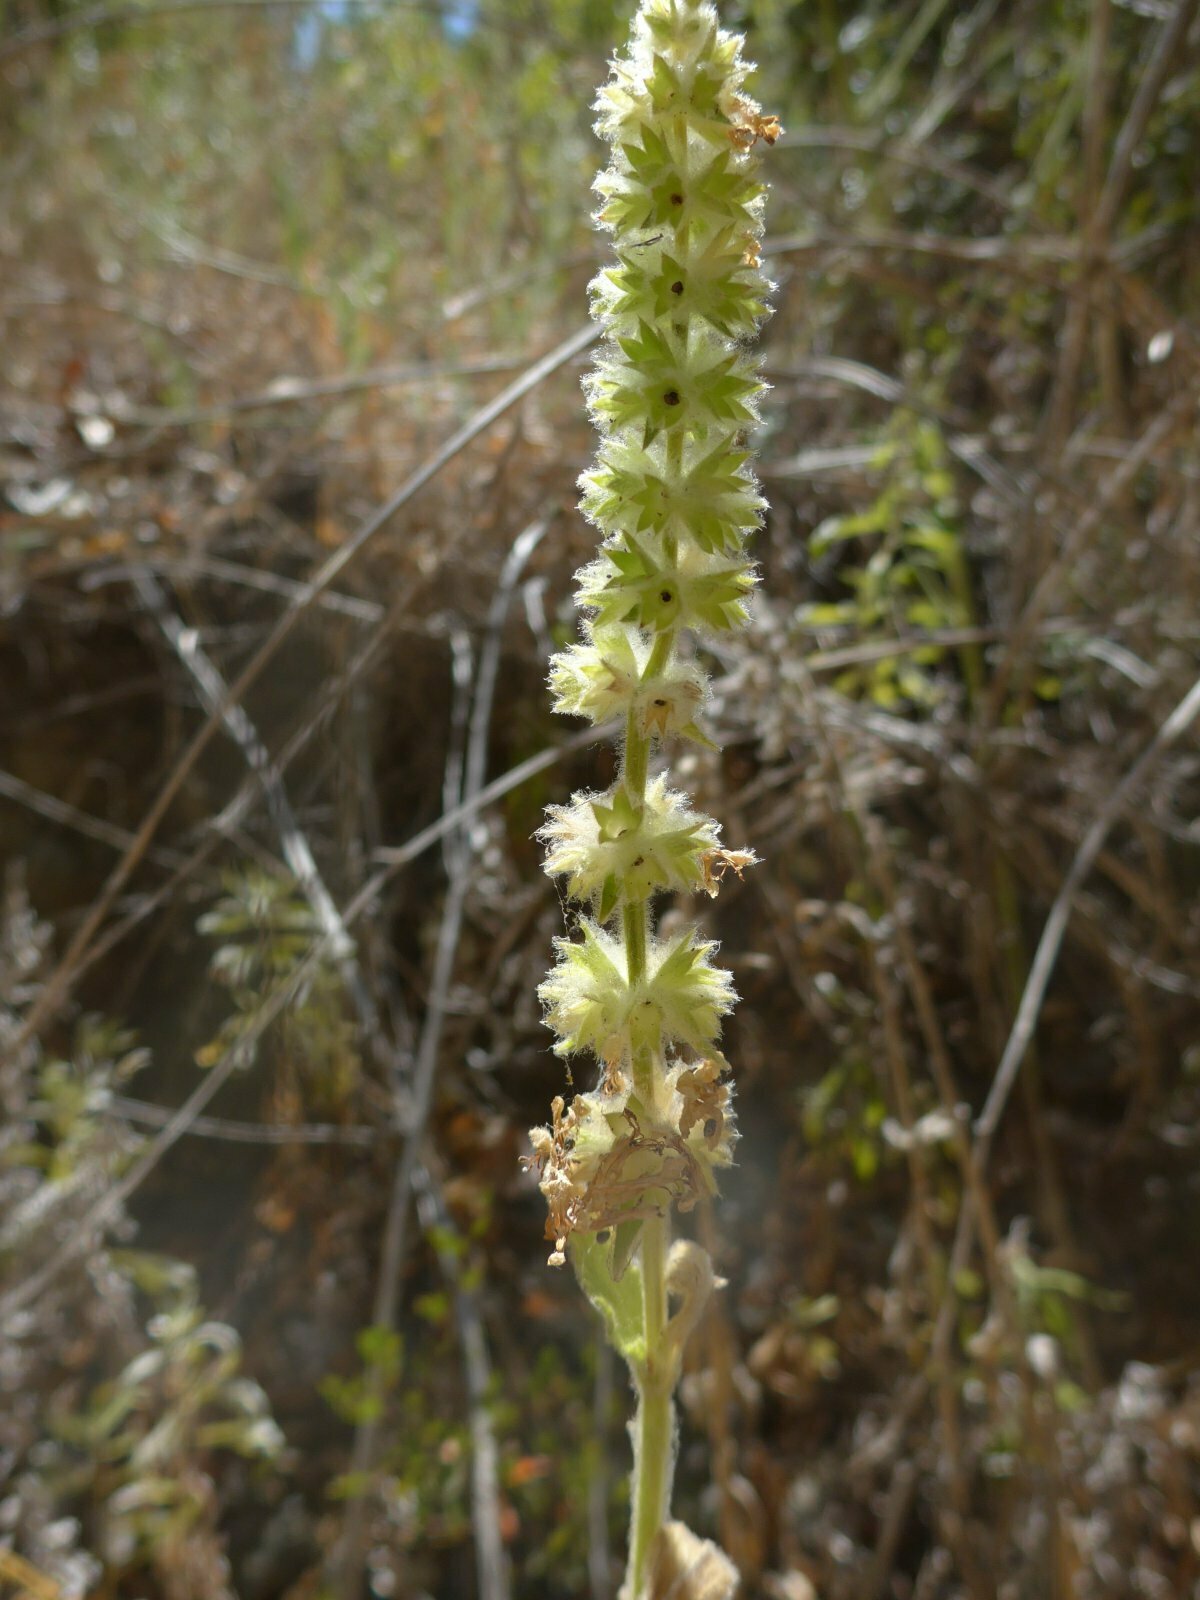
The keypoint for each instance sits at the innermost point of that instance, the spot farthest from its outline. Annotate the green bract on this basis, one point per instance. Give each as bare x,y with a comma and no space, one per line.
673,391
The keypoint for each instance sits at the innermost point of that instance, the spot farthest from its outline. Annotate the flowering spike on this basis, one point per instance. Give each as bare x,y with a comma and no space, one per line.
672,495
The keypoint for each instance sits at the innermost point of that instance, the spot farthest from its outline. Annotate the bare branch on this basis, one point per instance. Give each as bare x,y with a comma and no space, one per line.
59,984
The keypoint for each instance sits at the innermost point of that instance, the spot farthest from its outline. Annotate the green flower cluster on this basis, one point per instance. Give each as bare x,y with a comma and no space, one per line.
592,1005
613,852
673,389
672,494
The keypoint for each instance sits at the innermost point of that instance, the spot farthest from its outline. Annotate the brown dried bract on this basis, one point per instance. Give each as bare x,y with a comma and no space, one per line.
714,864
706,1099
642,1174
748,126
615,1080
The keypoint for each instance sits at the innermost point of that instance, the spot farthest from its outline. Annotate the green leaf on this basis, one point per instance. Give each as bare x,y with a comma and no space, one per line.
826,614
434,1307
617,1299
625,1241
381,1348
940,542
351,1485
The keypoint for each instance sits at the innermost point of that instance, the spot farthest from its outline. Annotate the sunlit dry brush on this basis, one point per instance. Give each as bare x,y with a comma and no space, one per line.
671,493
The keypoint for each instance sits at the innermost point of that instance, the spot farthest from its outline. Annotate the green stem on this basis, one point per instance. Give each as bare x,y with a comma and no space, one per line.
660,654
654,1449
635,923
635,926
637,760
637,744
654,1428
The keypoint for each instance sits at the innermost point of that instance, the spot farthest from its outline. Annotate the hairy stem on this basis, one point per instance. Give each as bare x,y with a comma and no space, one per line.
637,758
654,1426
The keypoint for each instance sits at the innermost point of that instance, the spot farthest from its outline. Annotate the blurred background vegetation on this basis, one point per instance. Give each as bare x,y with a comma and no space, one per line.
259,262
